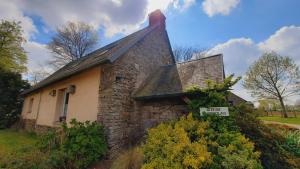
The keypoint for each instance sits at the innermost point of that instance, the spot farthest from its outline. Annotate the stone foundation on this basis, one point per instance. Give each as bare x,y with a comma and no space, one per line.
28,124
40,129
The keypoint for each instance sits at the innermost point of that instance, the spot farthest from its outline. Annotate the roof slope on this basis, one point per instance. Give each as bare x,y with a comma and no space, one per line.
108,53
173,80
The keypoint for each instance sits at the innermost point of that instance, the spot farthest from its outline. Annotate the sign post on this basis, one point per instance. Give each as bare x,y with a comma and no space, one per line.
220,111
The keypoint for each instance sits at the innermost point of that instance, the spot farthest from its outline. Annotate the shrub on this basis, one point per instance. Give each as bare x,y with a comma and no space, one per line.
76,146
191,143
291,136
51,140
243,118
11,85
171,146
130,159
269,143
292,142
235,151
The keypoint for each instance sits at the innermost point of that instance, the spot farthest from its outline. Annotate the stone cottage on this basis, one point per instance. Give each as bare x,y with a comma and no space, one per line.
128,86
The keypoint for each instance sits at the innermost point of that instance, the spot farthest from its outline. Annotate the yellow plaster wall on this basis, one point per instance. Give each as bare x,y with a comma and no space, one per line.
83,104
25,111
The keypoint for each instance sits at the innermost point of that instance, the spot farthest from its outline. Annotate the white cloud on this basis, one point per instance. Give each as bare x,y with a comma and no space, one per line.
10,11
115,16
165,4
214,7
285,41
185,4
38,55
239,54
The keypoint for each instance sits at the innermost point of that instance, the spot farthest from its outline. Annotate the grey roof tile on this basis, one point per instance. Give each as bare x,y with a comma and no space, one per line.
174,79
108,53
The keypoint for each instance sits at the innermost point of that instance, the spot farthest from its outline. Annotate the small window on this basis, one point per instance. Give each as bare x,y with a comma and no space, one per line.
30,105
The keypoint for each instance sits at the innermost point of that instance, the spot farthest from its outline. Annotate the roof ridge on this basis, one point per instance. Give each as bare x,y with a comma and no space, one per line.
122,50
68,70
207,57
106,47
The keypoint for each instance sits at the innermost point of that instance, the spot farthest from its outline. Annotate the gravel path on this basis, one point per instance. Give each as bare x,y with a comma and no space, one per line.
274,122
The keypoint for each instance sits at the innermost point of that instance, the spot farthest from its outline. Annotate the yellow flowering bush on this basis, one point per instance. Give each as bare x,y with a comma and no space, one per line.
194,144
170,146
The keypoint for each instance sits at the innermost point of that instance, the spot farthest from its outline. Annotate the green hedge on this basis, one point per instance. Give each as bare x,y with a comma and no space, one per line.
77,146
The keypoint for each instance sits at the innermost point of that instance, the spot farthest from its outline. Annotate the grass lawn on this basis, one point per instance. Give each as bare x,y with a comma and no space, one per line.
17,149
11,140
290,120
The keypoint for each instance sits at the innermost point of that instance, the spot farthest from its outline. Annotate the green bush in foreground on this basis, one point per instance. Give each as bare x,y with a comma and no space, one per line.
292,142
274,154
76,146
269,143
291,136
190,143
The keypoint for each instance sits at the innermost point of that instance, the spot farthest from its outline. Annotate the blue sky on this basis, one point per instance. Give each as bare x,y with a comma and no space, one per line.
256,19
240,29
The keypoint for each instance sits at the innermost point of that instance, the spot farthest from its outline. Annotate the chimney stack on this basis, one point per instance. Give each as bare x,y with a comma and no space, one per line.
157,17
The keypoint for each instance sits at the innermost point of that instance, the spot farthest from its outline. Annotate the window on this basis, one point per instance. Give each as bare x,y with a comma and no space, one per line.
30,105
63,101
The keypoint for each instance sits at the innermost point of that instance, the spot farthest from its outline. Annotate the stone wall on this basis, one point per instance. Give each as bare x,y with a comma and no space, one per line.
28,124
41,129
119,81
31,126
153,112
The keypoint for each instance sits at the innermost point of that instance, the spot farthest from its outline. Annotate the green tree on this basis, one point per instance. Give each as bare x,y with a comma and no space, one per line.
268,105
12,54
11,85
273,77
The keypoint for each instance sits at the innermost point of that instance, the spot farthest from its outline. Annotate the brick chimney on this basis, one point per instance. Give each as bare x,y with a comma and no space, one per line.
157,17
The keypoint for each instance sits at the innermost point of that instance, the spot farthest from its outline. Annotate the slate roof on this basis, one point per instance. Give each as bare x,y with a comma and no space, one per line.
108,53
173,80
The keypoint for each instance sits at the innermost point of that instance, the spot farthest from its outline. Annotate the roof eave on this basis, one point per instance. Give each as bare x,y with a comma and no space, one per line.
159,96
33,89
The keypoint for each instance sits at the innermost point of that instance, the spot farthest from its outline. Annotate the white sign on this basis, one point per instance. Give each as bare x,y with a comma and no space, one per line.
221,111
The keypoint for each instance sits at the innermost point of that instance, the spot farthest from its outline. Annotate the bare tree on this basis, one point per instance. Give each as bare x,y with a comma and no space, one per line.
273,77
39,74
72,41
182,54
297,103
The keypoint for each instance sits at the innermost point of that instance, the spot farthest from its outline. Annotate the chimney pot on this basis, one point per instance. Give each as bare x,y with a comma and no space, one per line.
157,17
